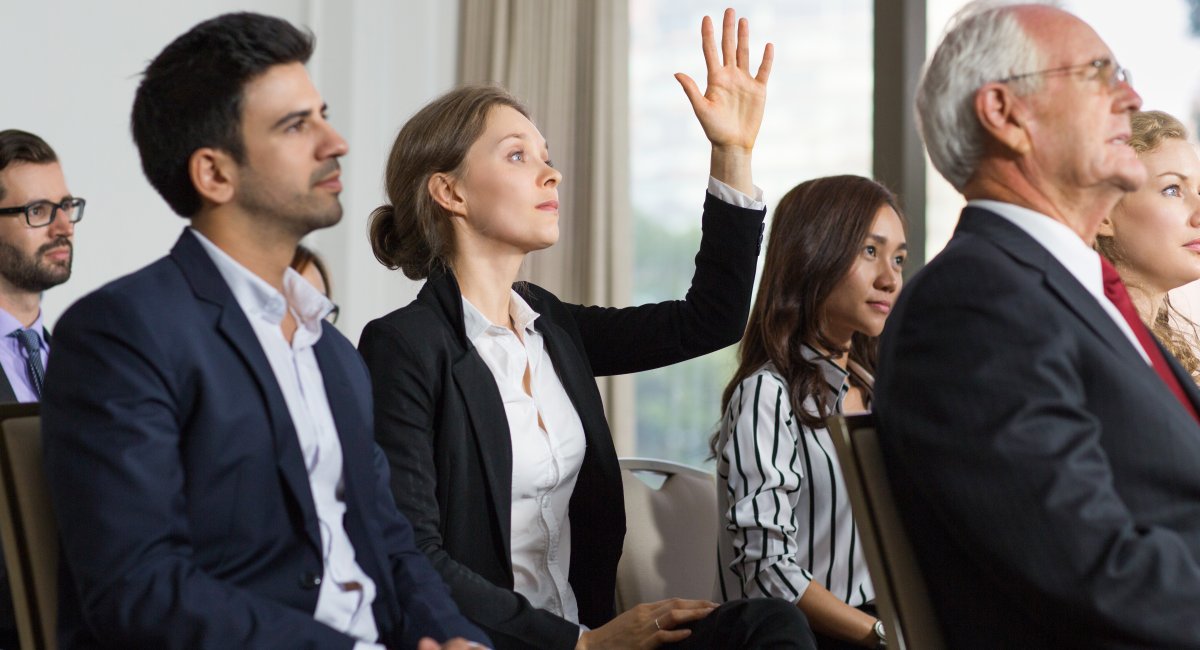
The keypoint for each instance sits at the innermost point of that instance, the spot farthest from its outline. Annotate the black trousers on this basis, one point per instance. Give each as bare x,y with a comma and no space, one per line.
769,623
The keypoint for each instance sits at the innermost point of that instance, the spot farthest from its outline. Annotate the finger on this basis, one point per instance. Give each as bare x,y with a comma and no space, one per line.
743,45
683,603
764,68
427,644
708,43
677,617
690,89
728,46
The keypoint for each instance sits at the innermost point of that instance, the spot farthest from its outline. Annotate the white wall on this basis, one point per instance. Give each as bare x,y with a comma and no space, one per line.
71,69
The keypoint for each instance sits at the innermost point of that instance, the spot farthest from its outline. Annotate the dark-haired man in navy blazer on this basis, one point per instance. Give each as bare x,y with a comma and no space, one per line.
208,437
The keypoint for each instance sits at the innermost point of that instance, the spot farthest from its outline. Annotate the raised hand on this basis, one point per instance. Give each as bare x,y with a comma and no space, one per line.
730,109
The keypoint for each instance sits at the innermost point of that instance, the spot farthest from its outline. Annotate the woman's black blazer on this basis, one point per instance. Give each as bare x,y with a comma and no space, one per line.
440,419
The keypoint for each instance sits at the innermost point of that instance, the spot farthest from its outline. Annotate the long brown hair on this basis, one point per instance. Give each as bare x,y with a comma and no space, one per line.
817,231
412,232
1176,331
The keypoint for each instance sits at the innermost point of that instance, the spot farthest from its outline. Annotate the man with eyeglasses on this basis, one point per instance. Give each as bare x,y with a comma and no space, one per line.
37,229
1043,447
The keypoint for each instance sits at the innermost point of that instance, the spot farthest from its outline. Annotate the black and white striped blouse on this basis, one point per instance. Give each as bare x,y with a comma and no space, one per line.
784,513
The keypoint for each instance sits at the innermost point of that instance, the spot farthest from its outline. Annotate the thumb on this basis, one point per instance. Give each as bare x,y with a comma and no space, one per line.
691,90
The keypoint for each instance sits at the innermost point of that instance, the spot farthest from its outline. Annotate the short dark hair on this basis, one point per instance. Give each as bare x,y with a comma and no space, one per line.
191,95
18,146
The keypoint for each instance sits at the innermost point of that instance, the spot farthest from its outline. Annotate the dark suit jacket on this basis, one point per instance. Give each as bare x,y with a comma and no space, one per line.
441,421
1048,478
179,487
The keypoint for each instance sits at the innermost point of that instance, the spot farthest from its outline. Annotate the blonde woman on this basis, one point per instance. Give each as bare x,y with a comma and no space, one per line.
1152,237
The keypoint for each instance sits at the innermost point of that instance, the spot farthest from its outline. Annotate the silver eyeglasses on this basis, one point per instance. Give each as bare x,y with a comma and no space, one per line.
1107,70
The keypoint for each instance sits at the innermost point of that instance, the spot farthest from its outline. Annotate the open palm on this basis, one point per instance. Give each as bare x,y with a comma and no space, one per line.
730,109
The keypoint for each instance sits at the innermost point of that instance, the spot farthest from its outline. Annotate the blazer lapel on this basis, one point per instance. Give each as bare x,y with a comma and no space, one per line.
489,423
358,473
209,286
1022,247
6,390
579,382
484,406
1181,375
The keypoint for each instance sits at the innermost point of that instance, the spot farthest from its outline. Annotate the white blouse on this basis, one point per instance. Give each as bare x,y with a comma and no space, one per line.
546,461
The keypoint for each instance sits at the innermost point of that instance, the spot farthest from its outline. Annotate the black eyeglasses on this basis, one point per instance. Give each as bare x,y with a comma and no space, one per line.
1115,76
40,214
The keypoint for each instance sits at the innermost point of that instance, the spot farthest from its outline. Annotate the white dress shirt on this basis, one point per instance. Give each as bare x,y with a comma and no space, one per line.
785,517
1066,246
346,591
546,459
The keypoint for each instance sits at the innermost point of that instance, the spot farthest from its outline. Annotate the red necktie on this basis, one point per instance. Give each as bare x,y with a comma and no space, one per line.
1116,292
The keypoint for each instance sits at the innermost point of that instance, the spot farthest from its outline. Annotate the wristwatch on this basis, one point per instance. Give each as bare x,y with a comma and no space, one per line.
880,634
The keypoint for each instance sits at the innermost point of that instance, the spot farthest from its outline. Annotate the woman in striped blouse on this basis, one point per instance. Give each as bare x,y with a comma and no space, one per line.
831,273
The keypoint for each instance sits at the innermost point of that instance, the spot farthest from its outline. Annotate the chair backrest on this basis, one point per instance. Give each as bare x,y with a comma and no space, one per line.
28,532
671,540
900,591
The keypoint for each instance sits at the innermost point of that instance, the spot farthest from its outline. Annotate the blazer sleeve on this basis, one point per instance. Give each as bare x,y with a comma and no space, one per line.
1010,462
423,596
112,438
404,384
711,316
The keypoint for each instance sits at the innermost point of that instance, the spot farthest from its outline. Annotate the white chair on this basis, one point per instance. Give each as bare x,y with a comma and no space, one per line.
671,540
28,532
900,592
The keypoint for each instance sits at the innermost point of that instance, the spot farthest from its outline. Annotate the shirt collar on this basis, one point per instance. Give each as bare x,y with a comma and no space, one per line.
9,324
834,374
1080,260
261,300
476,323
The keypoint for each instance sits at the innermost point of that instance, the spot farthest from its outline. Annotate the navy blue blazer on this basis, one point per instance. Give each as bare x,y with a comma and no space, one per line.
179,488
1046,475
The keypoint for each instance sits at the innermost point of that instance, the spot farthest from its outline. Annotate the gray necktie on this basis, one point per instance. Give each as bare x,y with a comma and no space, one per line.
32,342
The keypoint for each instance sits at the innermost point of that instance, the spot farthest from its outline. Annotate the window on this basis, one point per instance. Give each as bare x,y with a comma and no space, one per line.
817,123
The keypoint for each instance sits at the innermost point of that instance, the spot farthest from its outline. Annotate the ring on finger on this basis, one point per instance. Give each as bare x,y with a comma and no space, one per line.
657,625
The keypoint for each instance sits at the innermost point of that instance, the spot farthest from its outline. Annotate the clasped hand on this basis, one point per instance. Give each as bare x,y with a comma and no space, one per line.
648,625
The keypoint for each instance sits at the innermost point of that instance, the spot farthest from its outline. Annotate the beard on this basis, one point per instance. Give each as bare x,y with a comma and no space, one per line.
300,213
32,273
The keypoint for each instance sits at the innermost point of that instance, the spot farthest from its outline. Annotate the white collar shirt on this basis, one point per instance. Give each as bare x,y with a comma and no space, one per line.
346,591
1080,260
546,461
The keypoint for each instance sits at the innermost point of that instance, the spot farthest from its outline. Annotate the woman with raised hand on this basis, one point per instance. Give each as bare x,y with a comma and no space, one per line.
831,274
485,398
1152,237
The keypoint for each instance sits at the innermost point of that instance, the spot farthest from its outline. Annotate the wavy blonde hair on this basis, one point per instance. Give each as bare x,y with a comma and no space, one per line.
1176,331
